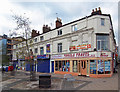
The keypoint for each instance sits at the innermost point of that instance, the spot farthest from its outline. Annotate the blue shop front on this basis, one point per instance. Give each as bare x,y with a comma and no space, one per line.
43,63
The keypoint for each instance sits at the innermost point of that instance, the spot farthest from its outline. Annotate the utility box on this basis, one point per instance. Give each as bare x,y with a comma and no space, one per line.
44,81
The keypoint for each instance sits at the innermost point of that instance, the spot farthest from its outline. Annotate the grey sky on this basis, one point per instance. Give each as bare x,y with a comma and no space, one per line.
45,13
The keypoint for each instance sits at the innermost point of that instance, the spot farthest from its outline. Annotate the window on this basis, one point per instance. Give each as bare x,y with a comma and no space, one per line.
35,39
74,65
36,50
41,51
74,27
41,38
59,47
16,46
100,67
60,32
48,48
102,21
93,67
56,65
103,42
107,67
62,66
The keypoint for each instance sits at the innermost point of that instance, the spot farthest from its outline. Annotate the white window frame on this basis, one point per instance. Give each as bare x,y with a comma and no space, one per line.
73,27
59,47
102,22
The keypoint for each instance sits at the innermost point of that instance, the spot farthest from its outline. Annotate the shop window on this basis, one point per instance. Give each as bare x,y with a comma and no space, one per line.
74,65
60,66
92,66
63,66
100,67
56,65
67,66
107,67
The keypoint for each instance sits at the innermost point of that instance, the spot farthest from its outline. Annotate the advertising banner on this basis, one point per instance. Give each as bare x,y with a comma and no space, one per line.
48,48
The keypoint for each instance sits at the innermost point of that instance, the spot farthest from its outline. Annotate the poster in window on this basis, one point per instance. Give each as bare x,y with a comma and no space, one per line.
107,65
100,66
48,48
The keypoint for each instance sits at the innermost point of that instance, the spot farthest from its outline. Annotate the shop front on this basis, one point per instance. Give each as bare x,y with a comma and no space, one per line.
92,64
43,63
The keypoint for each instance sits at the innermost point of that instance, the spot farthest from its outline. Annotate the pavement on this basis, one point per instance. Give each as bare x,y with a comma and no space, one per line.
21,81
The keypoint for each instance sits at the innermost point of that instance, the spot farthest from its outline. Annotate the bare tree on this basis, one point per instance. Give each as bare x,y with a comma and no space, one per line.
24,24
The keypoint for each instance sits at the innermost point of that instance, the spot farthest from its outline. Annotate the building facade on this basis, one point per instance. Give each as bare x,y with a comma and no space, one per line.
82,47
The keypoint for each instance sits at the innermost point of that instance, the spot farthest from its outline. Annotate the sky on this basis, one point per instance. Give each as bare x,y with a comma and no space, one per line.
44,12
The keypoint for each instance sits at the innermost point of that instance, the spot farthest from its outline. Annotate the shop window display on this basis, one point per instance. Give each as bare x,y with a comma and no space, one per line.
67,66
93,67
100,67
60,66
75,66
56,65
107,67
63,66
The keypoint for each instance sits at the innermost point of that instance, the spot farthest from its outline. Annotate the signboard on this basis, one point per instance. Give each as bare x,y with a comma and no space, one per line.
83,46
48,48
43,56
82,54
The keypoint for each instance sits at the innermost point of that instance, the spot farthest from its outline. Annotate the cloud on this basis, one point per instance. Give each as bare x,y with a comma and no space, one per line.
41,13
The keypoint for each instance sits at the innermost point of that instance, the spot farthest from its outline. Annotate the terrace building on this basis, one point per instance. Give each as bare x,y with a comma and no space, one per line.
82,47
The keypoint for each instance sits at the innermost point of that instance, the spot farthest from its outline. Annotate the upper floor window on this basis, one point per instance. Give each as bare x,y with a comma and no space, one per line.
102,21
16,46
41,51
35,39
102,42
59,47
60,32
74,27
36,50
41,38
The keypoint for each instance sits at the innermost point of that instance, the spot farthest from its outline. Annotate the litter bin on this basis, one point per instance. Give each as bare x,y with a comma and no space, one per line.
45,81
6,69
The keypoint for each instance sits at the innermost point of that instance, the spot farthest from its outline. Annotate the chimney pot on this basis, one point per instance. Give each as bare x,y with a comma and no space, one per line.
96,9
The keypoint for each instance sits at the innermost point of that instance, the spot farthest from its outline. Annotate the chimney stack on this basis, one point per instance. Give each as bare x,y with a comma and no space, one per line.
96,12
58,23
46,28
34,33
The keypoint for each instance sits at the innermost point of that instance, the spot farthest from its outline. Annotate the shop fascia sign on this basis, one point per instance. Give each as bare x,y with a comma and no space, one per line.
45,56
73,55
83,46
81,55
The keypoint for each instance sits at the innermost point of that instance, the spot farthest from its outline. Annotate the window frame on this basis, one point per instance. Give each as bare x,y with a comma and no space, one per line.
41,38
59,47
59,32
101,40
36,50
102,21
74,27
41,50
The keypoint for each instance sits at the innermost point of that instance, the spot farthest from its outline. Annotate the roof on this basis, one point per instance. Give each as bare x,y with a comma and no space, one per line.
80,20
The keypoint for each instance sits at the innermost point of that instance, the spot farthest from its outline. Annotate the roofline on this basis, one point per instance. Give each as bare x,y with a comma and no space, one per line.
74,22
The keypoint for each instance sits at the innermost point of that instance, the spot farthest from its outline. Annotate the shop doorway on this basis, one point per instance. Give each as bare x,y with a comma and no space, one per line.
83,67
